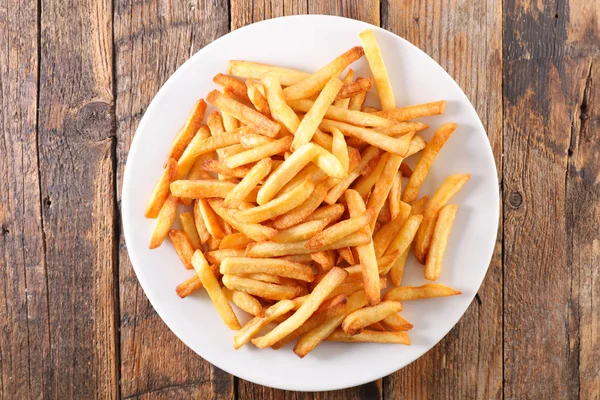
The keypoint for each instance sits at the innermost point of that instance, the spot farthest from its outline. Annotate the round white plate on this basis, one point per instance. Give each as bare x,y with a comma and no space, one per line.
309,42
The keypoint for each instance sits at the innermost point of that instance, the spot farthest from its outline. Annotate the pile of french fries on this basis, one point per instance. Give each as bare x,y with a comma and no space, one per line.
297,211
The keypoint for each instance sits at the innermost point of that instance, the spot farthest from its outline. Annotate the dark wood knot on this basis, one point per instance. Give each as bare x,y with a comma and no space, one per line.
515,199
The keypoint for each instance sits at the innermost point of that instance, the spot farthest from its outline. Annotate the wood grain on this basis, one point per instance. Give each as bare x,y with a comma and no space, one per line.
551,207
152,39
24,343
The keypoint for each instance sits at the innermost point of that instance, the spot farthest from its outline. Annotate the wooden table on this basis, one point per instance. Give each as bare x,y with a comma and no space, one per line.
77,75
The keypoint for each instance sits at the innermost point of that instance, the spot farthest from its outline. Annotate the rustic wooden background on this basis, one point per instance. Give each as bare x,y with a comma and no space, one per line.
77,75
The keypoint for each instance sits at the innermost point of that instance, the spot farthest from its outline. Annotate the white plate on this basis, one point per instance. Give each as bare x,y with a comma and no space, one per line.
309,42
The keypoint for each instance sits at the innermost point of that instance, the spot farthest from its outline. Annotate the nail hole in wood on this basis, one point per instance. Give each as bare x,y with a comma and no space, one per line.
5,230
556,16
47,202
515,199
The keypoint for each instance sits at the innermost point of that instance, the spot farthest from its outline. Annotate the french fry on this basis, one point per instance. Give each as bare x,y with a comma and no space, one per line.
439,241
315,113
377,326
340,150
357,100
165,219
252,141
235,241
252,70
370,337
231,151
290,167
366,252
362,85
244,302
401,128
217,256
412,112
213,244
343,103
400,244
397,323
365,183
370,136
211,220
299,232
254,326
277,206
303,211
261,289
299,258
326,259
346,254
182,246
259,153
429,290
188,226
273,266
382,81
417,143
236,87
243,113
387,233
340,230
256,94
203,233
332,213
211,284
219,168
272,279
210,144
318,295
383,186
405,170
280,110
358,320
196,172
272,249
161,189
344,115
424,164
189,286
440,198
369,109
336,192
203,189
383,217
191,126
394,195
249,183
256,232
315,336
317,81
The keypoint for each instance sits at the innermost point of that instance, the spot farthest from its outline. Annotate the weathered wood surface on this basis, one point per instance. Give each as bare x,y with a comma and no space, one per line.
75,78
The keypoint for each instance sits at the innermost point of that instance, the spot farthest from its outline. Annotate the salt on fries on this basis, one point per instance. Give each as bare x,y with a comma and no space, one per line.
298,214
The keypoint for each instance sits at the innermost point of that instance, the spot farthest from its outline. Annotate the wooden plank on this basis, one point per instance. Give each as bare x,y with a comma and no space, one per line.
465,39
24,344
244,12
551,184
152,39
76,143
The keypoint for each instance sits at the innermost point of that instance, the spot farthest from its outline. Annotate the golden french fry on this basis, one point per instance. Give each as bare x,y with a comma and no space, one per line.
394,195
231,151
244,302
261,289
256,95
255,325
440,198
188,226
219,168
278,206
165,219
252,141
383,217
377,326
197,173
211,284
280,110
317,81
203,233
397,323
234,241
300,258
210,144
217,256
203,189
326,259
315,113
188,286
357,100
340,150
439,241
290,167
161,189
424,164
358,320
429,290
211,220
182,246
383,186
259,153
249,183
343,103
366,252
382,81
252,70
346,254
417,143
387,233
315,336
400,244
362,85
365,183
412,112
370,337
340,230
271,279
318,295
398,129
272,249
191,126
369,109
213,244
405,170
236,87
344,115
336,192
332,213
256,232
299,232
370,136
273,266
